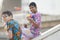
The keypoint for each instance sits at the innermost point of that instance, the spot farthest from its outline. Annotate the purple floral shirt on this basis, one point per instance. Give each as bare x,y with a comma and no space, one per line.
37,19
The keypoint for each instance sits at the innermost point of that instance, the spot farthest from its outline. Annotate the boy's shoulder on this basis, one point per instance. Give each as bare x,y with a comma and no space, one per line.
13,22
38,13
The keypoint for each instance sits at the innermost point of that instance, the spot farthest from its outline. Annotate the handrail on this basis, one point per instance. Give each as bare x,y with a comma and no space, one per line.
48,33
42,36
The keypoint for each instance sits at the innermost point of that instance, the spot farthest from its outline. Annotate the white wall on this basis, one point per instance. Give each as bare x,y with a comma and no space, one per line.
1,1
51,7
25,5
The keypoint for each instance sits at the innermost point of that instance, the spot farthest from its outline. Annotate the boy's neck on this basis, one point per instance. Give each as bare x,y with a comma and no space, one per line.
9,20
35,12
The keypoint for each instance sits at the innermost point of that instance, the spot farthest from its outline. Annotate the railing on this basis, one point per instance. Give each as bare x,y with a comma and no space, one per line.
3,35
48,33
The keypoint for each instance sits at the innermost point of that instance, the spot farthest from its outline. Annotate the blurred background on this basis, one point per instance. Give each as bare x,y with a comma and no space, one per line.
49,9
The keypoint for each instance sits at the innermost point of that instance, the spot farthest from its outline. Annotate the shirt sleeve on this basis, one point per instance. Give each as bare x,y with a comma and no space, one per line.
38,19
16,28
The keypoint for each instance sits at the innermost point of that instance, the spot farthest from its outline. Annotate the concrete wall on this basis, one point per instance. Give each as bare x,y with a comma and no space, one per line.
55,36
1,1
50,23
10,4
25,5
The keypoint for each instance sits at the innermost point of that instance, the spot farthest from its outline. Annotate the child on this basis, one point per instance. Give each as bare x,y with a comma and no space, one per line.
35,20
13,28
26,33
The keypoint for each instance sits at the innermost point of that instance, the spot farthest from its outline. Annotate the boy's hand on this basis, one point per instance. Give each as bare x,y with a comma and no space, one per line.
29,19
5,28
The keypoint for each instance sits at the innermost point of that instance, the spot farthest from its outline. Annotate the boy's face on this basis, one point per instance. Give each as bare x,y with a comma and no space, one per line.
33,9
5,17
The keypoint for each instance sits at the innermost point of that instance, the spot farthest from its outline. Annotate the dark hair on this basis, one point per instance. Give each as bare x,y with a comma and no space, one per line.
25,25
9,13
32,4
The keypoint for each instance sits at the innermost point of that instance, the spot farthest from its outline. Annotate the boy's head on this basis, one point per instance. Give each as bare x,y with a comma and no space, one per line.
7,16
33,7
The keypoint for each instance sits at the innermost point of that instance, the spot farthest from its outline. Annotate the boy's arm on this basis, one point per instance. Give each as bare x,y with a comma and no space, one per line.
37,23
9,30
10,34
32,21
17,29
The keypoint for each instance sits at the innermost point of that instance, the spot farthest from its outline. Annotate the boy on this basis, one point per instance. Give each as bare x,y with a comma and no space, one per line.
13,27
34,20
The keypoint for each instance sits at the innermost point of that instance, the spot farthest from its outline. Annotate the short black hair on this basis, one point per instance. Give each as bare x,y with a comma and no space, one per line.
32,4
9,13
